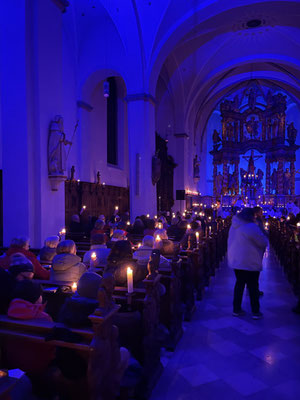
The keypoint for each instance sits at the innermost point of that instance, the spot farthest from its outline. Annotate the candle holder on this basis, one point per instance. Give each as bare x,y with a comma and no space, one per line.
129,300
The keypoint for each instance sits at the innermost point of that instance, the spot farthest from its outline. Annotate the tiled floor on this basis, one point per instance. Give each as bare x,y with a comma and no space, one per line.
224,357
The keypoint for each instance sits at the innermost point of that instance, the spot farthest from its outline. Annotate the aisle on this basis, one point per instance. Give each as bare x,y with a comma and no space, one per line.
223,357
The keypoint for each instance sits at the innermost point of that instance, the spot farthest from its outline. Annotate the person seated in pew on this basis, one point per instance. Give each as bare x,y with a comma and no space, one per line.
119,259
48,252
117,235
21,245
138,227
98,247
20,268
27,305
66,265
189,240
150,227
75,224
76,310
143,253
177,229
162,243
99,228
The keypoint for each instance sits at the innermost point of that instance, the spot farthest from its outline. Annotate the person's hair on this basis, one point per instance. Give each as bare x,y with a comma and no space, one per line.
118,233
99,224
122,225
66,246
27,290
194,225
162,233
148,241
138,223
182,224
52,242
98,239
75,218
150,224
247,214
121,250
19,241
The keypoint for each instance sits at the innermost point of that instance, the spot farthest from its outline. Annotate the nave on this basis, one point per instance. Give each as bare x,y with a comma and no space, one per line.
223,357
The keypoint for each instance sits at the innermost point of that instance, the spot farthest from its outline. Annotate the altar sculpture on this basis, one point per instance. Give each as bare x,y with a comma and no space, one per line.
247,125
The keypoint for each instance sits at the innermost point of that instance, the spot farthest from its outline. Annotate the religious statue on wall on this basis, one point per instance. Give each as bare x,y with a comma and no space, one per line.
216,140
230,132
291,134
219,183
252,127
287,180
196,168
274,181
57,143
252,94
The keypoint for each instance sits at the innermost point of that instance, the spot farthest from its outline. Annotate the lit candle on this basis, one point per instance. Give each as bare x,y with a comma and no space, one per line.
189,226
183,214
84,207
74,287
139,245
157,238
148,215
116,208
93,259
209,230
129,280
197,237
298,224
160,225
78,180
155,216
128,223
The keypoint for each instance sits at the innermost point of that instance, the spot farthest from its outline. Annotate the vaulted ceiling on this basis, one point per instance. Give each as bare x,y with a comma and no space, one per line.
200,49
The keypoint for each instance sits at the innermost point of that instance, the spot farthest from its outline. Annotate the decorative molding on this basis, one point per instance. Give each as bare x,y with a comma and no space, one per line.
84,105
61,4
181,135
141,96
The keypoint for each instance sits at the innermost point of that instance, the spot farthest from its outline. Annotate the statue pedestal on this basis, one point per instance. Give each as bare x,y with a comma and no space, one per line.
55,181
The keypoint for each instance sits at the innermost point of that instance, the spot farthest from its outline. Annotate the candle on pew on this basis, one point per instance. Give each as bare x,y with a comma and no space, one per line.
129,280
155,216
209,230
74,287
116,208
159,225
188,227
93,260
197,237
148,215
139,245
298,224
157,238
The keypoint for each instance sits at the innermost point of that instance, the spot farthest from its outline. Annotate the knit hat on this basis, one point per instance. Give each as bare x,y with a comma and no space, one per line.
27,290
88,285
19,263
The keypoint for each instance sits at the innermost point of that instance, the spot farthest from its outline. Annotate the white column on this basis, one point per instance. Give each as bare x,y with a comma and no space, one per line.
31,90
141,134
181,171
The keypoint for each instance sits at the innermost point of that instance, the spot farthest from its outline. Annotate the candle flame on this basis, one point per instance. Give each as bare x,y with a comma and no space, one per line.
157,238
139,245
74,286
93,256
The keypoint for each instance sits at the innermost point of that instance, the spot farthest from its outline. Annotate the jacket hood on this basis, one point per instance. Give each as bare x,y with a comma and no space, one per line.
237,222
62,262
22,309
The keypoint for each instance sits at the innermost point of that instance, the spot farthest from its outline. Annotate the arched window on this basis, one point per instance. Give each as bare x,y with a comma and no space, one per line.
112,123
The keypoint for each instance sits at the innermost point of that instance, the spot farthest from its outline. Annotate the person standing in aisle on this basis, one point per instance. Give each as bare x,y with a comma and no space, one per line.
246,247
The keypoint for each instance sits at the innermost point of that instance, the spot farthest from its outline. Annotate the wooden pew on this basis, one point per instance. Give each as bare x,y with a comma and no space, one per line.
99,344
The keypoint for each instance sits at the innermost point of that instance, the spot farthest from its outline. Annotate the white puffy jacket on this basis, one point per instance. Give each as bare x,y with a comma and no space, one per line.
246,245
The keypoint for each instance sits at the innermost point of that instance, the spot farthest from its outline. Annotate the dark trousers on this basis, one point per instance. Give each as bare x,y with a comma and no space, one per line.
249,278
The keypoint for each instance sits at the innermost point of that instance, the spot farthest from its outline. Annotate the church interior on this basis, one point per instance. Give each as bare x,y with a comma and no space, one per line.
149,200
